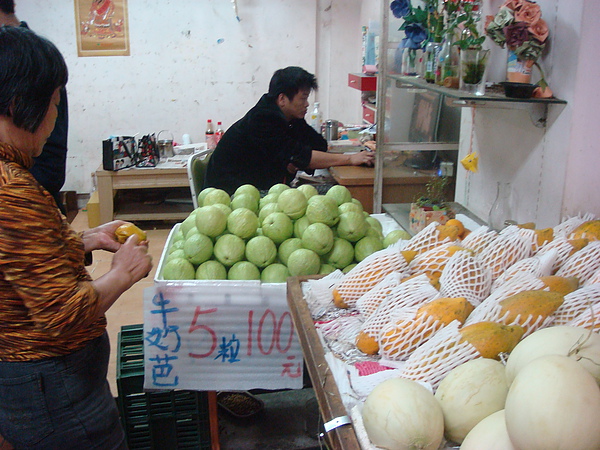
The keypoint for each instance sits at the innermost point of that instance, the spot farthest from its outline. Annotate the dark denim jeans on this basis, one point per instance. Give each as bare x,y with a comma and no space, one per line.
61,403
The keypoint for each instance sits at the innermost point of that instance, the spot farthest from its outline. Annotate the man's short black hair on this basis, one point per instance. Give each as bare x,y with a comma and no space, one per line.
31,69
290,80
7,6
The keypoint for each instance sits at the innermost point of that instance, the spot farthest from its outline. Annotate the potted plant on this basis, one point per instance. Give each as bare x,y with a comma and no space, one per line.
473,57
431,206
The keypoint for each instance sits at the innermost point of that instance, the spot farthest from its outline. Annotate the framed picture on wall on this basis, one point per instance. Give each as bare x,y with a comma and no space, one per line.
102,27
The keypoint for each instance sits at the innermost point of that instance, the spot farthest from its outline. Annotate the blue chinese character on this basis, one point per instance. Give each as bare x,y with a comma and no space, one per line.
157,336
229,350
162,370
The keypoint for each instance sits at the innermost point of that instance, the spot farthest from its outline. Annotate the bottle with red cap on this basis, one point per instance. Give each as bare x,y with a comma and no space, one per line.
218,132
210,135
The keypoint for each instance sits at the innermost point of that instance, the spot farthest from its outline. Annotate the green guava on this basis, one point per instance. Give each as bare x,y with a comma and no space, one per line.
318,237
178,269
261,251
243,270
229,249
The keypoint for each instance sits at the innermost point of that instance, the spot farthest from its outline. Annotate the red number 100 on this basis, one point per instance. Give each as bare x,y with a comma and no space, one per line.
269,318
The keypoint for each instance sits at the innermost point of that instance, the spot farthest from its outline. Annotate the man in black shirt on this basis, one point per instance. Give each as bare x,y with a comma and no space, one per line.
49,168
273,141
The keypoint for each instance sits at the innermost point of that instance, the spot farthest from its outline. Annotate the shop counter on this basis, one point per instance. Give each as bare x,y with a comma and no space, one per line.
402,184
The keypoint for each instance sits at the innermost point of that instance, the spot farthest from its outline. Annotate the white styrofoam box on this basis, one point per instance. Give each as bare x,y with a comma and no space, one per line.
387,223
218,335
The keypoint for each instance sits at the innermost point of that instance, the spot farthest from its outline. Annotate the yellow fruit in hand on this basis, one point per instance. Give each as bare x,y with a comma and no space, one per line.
126,230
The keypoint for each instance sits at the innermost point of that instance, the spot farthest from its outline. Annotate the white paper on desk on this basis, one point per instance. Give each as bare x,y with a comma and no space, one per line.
213,336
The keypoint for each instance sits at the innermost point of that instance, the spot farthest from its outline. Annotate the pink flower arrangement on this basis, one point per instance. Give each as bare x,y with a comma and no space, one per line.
519,26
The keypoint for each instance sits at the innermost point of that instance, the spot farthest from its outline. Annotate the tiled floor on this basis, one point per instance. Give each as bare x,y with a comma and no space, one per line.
128,309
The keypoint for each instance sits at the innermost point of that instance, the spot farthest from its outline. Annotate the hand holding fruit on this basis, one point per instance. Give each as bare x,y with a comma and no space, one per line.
132,259
128,229
104,236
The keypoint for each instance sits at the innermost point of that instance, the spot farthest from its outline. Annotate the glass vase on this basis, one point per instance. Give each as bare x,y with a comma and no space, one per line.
473,63
517,70
411,61
501,211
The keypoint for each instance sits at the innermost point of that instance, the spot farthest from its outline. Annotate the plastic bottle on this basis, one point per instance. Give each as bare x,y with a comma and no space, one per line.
447,61
218,133
210,135
316,118
431,53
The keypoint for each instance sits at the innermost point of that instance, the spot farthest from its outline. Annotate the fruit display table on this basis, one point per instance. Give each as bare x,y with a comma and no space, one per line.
330,403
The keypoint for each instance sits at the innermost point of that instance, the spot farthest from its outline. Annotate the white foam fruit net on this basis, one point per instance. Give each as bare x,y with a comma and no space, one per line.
582,264
507,249
537,266
563,249
426,239
432,261
431,362
370,271
577,303
489,309
530,236
406,297
589,319
594,279
568,225
400,337
368,303
318,293
464,276
479,239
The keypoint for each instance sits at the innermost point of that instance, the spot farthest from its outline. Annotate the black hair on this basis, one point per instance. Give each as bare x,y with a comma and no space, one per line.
7,6
290,80
31,69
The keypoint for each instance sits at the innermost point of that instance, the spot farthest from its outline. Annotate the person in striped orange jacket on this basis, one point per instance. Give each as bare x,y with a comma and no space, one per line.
54,348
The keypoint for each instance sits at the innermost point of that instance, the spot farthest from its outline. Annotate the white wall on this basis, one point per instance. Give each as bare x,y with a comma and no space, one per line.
582,192
178,74
552,170
191,60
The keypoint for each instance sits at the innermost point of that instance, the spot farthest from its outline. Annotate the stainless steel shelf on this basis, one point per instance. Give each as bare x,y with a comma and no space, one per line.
537,107
400,212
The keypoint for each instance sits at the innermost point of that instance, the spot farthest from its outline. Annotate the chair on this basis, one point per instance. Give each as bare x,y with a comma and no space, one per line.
196,168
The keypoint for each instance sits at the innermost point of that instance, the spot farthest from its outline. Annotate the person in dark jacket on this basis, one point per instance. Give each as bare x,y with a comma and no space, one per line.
51,166
273,141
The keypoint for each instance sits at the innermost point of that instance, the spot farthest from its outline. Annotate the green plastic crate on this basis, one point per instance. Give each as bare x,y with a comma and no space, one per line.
156,420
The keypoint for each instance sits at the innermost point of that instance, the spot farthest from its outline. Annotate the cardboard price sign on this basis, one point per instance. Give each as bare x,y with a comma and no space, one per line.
220,336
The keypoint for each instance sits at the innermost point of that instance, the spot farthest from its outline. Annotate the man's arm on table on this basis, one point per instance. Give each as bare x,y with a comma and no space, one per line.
323,160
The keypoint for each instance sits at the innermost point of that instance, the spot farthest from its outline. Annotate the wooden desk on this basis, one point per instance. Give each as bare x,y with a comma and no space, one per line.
401,184
110,182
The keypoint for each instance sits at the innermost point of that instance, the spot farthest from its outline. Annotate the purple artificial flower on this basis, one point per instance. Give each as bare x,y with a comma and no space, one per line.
416,33
516,34
400,8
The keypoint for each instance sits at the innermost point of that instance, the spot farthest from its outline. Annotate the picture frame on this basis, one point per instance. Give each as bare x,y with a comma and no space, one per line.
102,28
